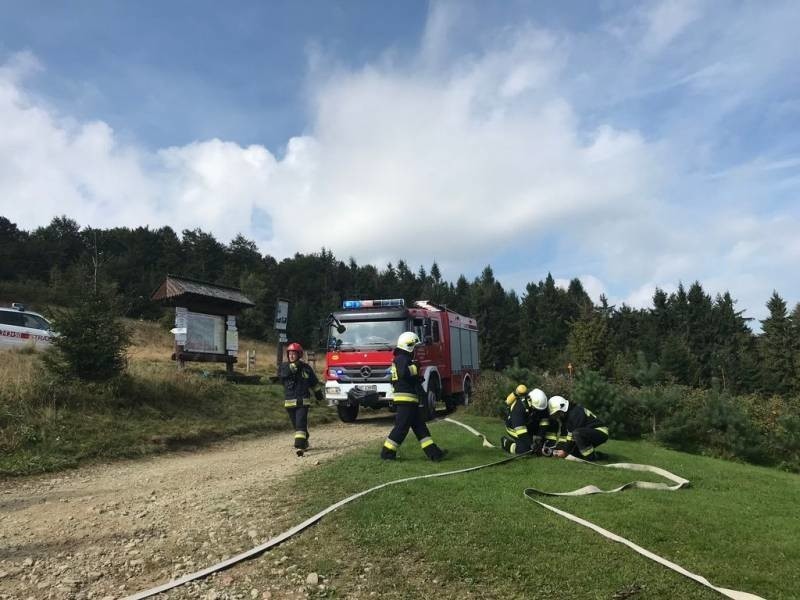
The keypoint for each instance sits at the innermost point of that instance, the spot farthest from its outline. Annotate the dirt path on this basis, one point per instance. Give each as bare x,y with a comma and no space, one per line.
111,530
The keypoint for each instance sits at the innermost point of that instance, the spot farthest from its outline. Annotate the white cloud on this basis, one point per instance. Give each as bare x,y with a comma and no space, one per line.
459,158
666,20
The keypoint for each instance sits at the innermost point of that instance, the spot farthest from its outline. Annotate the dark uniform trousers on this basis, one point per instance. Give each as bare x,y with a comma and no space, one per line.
406,382
581,432
299,418
299,381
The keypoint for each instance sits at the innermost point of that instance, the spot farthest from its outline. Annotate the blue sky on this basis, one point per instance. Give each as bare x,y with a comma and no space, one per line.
632,145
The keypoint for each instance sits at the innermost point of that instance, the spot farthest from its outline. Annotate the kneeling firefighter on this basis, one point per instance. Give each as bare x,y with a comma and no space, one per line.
542,428
299,380
406,381
580,431
518,438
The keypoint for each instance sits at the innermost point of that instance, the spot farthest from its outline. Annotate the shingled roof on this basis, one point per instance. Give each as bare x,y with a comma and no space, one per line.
177,289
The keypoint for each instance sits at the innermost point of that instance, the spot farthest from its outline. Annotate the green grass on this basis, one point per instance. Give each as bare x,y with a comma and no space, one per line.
475,535
47,427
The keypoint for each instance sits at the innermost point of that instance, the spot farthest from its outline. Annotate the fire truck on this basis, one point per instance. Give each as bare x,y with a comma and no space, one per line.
360,345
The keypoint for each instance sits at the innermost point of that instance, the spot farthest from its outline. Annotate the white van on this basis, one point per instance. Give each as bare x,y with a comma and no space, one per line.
20,328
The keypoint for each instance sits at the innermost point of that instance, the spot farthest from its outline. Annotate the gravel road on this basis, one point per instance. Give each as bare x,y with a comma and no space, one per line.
106,531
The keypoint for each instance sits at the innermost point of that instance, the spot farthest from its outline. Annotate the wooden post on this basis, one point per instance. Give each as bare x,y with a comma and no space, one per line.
251,360
280,354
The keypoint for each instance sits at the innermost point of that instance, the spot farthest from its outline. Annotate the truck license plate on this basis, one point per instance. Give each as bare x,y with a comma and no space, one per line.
367,388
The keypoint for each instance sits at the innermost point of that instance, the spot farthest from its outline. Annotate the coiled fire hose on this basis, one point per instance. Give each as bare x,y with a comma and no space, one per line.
678,482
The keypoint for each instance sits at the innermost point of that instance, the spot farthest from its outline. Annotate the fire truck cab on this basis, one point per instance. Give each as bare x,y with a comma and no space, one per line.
361,341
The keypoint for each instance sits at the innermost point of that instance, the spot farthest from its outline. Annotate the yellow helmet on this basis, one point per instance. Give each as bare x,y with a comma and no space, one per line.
408,341
521,390
511,398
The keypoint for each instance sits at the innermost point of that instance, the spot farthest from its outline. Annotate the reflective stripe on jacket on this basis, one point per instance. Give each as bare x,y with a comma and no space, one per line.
406,380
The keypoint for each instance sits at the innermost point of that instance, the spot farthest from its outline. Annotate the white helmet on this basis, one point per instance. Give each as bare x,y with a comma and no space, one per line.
537,399
556,404
408,341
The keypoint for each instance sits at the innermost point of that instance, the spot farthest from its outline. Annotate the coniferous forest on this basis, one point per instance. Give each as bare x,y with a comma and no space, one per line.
686,337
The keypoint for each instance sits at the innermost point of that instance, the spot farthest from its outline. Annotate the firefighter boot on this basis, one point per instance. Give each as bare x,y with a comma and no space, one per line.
435,453
387,454
300,442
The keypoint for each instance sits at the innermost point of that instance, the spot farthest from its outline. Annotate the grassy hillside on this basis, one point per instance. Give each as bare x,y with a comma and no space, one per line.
475,535
45,425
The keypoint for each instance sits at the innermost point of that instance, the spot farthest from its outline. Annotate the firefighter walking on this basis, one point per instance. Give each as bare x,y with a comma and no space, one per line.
299,381
406,381
580,431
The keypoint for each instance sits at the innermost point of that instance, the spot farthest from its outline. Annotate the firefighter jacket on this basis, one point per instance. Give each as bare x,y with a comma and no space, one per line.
542,426
517,419
299,380
577,417
406,379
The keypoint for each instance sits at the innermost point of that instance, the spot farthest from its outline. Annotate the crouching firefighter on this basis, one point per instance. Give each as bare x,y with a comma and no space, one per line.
299,381
518,439
406,380
543,429
580,431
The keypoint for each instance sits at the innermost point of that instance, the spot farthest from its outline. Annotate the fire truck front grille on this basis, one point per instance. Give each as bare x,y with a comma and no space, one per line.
366,374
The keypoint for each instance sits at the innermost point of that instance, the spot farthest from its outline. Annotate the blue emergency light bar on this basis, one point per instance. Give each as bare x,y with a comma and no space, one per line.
383,303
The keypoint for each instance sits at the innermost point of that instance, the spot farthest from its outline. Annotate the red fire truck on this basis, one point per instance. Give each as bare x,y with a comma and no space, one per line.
362,337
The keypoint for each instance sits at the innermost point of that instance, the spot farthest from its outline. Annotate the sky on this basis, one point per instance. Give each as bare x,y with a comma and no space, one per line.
632,145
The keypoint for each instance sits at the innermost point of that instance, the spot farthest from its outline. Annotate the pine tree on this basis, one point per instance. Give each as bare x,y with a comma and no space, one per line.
776,348
700,334
677,360
588,341
794,319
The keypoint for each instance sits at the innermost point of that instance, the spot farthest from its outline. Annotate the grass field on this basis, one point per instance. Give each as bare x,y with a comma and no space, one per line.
475,535
47,425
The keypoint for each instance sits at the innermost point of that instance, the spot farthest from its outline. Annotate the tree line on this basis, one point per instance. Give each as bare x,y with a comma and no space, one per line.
685,337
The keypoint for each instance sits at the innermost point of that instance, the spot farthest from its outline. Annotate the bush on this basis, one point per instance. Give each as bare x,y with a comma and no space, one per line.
621,412
490,393
713,422
656,403
92,341
785,444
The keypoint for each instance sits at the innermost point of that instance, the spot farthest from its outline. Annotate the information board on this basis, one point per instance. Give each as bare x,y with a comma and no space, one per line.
205,333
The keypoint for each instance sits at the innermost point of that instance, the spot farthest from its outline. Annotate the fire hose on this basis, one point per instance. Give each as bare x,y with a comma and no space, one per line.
678,483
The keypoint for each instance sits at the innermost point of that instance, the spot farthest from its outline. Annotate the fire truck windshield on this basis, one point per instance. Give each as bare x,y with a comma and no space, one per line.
360,335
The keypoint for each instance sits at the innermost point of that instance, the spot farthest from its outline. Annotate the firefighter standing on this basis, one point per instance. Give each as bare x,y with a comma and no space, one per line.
299,380
580,431
406,380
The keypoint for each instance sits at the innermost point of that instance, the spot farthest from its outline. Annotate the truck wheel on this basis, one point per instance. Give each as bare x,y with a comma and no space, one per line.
431,399
348,414
467,395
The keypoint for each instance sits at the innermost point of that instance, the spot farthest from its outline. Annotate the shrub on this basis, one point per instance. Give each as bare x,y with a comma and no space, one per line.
713,422
656,403
619,411
785,444
489,395
92,341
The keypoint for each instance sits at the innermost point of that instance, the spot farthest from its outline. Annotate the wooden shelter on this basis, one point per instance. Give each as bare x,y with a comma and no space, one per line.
205,319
